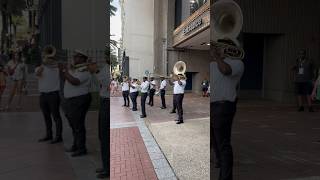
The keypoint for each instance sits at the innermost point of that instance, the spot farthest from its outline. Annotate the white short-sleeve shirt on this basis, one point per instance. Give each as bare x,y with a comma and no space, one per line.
177,88
163,85
153,84
49,81
144,87
135,89
224,87
104,81
125,86
82,89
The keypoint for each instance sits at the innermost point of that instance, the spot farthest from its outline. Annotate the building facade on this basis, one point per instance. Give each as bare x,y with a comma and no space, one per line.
272,35
138,37
70,25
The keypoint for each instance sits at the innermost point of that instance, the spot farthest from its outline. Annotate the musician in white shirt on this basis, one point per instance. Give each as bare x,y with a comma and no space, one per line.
125,91
152,90
134,93
163,86
144,93
49,87
179,85
77,100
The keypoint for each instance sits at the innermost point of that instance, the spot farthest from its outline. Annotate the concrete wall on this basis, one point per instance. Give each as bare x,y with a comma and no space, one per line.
84,24
138,39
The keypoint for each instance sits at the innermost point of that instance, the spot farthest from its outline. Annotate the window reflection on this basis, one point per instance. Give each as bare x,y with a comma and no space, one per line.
196,4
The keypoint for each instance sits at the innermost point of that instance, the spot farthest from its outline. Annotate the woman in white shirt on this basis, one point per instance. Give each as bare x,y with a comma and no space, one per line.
18,73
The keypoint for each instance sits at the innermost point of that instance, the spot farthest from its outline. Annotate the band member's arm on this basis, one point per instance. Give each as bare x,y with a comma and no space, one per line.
39,71
223,67
181,83
74,81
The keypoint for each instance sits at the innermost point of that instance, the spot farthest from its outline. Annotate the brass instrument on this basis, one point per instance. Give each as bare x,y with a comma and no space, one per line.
179,67
227,24
48,54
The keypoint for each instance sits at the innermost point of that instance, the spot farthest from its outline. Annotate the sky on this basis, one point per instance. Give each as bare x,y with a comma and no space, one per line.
115,22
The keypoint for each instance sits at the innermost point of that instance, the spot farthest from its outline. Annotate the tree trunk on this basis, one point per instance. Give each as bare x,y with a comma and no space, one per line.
4,28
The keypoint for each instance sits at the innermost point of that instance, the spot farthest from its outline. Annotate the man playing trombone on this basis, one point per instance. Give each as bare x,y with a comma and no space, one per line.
163,86
144,95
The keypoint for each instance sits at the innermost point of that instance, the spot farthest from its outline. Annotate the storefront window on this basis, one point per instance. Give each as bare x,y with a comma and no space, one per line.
196,4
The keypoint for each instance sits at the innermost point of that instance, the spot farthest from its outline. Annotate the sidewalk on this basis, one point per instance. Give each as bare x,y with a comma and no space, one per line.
129,157
22,157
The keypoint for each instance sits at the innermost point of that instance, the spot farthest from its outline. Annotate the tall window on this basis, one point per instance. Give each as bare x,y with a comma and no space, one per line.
196,4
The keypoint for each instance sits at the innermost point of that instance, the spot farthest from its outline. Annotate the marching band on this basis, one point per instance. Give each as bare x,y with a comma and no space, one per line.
148,88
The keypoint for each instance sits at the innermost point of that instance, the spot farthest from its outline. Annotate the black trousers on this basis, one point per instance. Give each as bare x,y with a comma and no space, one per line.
143,103
163,99
133,97
125,95
50,104
151,96
221,117
104,132
76,110
177,104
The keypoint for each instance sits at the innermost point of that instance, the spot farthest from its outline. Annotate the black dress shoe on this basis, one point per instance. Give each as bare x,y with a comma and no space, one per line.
142,116
301,109
163,107
172,112
56,140
99,170
103,175
48,138
71,150
311,109
79,153
134,109
179,122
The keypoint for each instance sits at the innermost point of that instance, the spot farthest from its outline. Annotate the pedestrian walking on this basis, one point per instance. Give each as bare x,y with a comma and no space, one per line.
114,85
163,86
18,74
49,86
77,100
226,75
205,85
125,91
179,84
304,74
152,91
134,93
144,94
104,117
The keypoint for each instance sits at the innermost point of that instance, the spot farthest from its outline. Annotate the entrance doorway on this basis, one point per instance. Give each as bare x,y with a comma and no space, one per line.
252,80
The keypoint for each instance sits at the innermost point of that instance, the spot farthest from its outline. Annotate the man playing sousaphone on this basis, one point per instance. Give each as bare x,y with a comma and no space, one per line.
179,84
226,72
49,86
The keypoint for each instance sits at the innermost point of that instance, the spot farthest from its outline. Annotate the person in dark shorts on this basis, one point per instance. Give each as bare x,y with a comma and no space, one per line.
205,85
304,74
